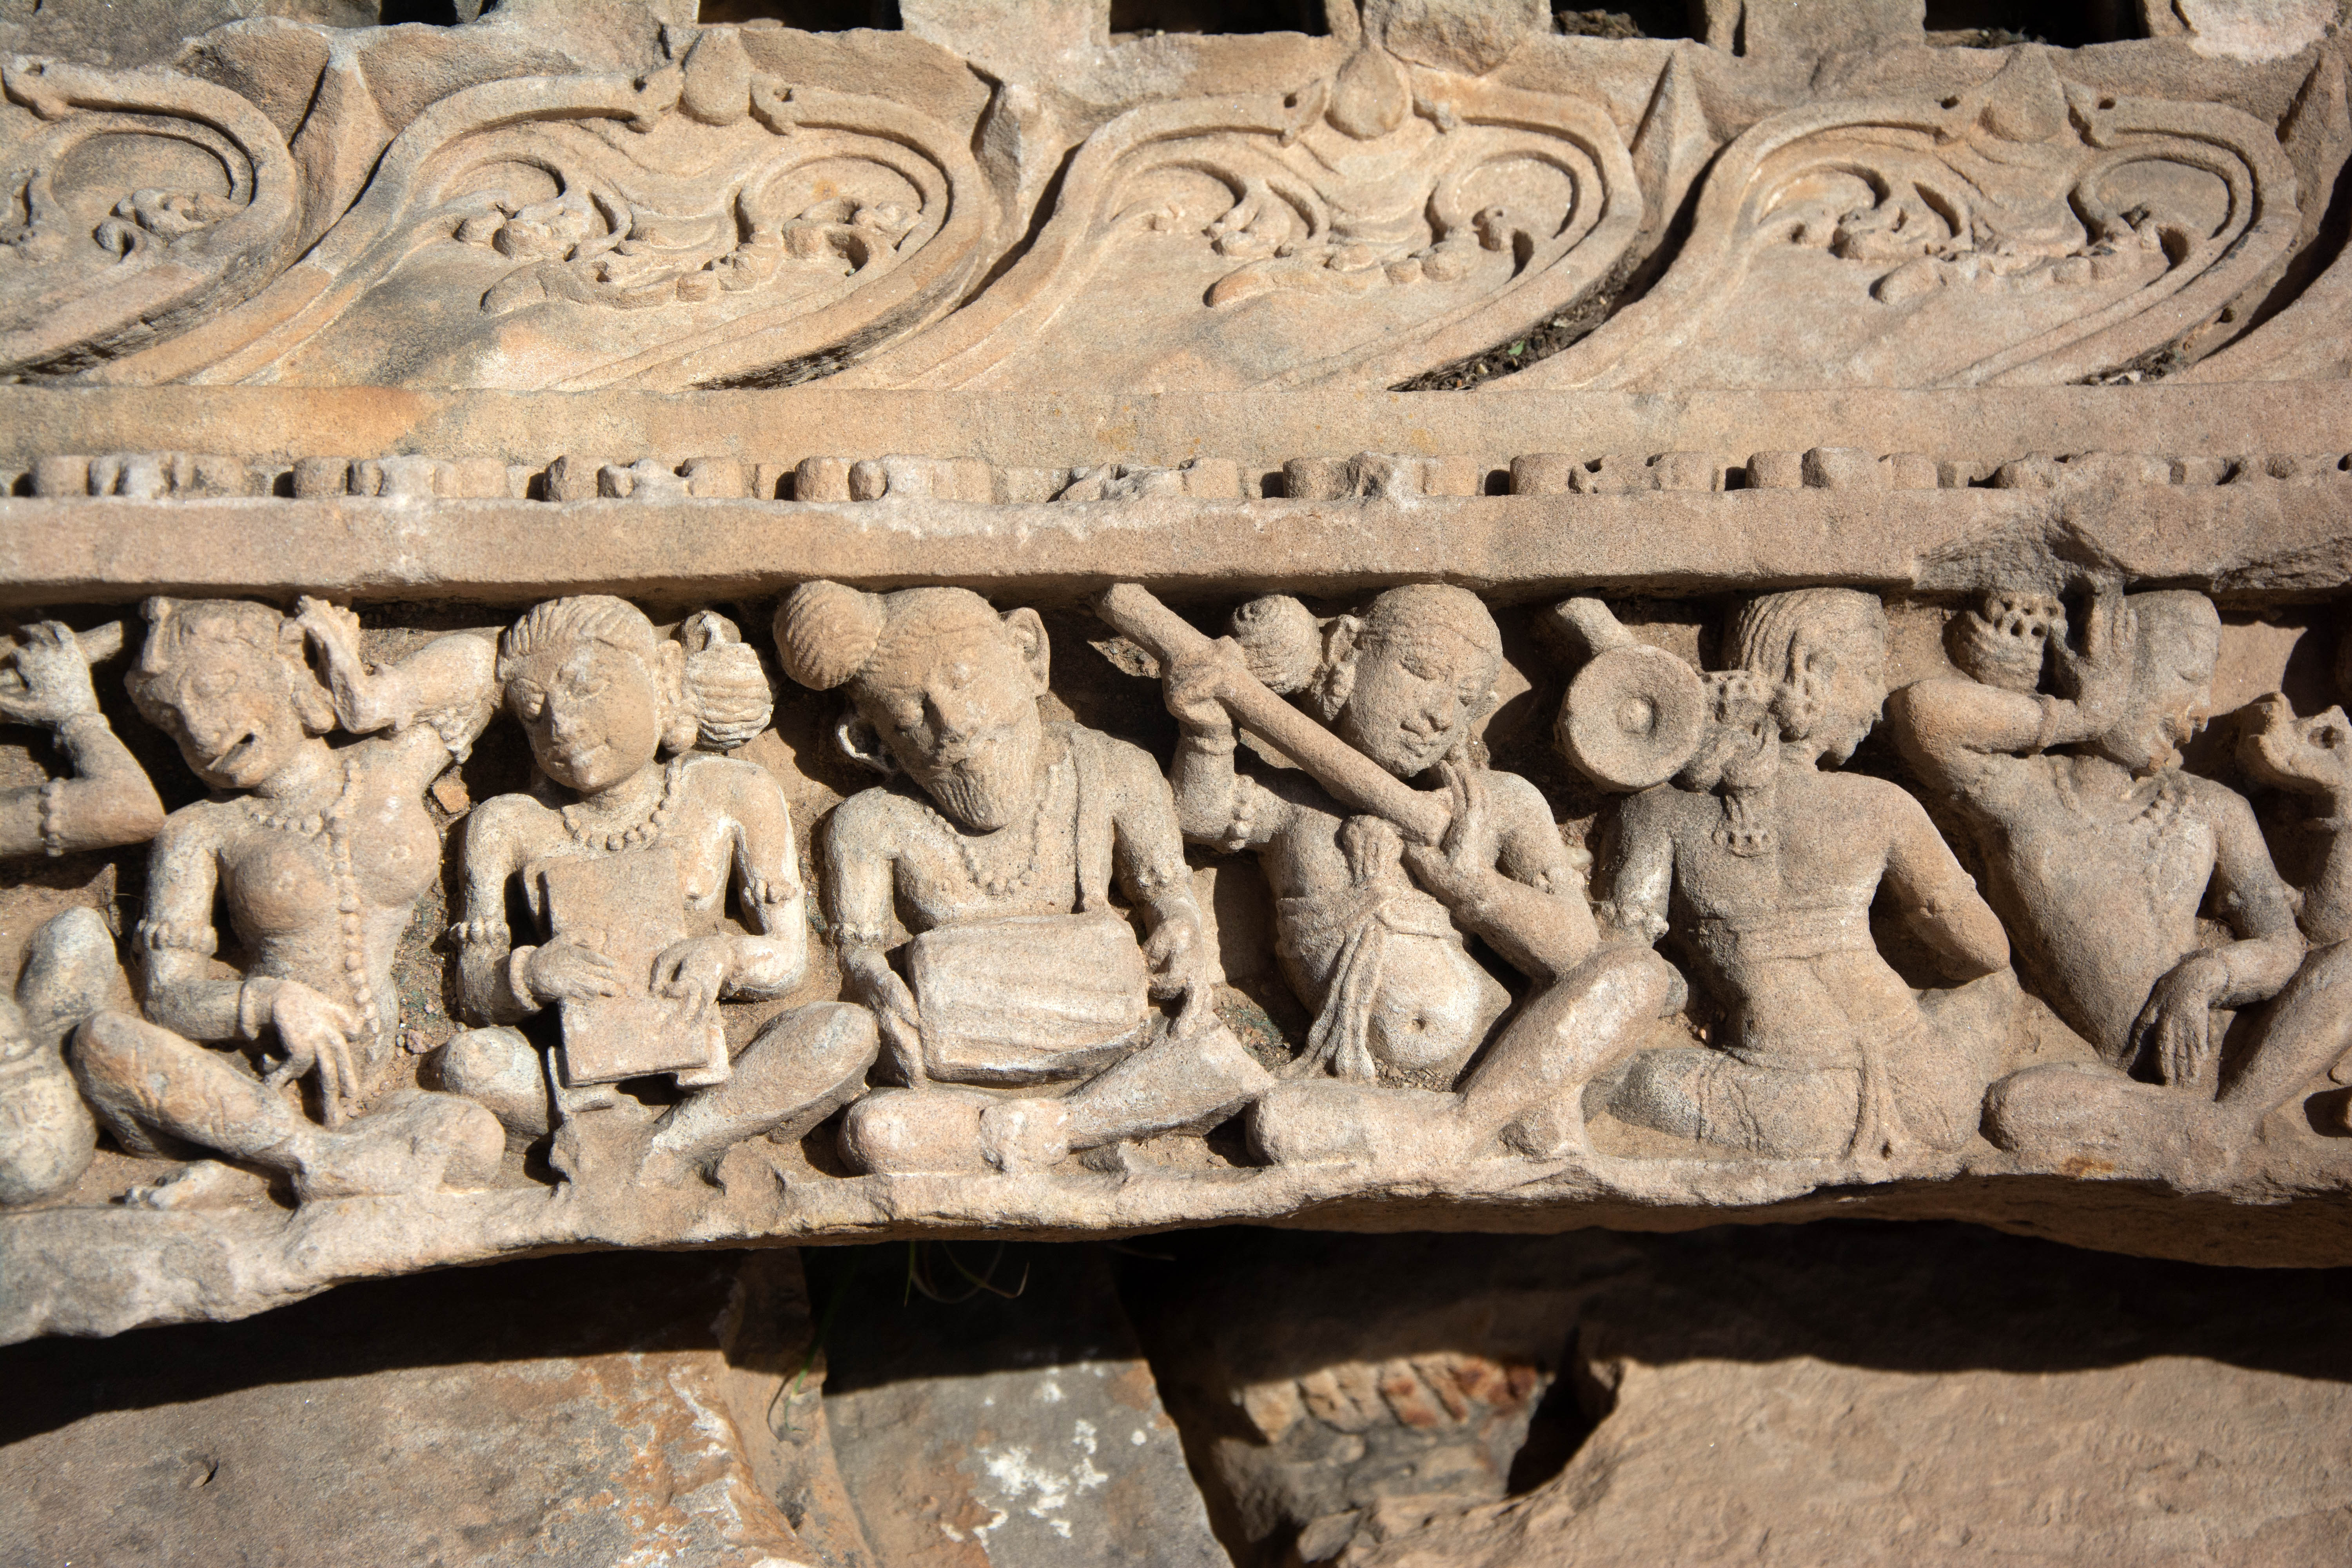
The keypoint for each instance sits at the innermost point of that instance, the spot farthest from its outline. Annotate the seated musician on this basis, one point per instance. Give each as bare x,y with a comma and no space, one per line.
1022,1029
625,867
1370,928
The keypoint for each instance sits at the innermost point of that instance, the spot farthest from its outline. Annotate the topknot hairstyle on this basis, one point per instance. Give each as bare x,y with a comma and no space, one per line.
828,634
1288,649
710,681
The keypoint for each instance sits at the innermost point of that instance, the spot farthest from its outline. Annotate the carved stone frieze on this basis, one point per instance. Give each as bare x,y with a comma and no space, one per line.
2024,230
1367,225
708,223
139,203
1847,718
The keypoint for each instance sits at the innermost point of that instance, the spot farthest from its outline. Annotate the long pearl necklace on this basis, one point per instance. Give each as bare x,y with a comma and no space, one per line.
646,830
350,909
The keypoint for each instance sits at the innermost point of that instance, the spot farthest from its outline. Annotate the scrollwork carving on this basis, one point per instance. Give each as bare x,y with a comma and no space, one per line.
2024,231
1363,227
138,204
708,223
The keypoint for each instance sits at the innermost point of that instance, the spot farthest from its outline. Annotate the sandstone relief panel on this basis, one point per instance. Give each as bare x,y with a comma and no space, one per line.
495,762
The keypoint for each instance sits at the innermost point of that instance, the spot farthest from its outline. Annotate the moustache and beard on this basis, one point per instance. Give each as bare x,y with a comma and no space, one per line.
985,782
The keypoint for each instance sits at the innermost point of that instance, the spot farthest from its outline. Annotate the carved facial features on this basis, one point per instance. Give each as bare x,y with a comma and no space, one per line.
1416,691
953,697
230,707
2172,685
1847,667
592,711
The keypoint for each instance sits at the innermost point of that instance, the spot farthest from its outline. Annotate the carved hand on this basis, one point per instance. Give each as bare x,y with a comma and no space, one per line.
696,970
47,678
566,969
316,1033
2099,677
876,983
1453,868
1195,681
2177,1024
2311,755
334,631
1175,953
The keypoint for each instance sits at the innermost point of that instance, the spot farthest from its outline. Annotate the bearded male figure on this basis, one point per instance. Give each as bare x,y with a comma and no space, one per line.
1022,1029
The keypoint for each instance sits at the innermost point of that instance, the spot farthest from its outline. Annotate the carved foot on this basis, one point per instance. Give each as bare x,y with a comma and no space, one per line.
203,1185
419,1142
1023,1135
1323,1122
895,1132
2085,1121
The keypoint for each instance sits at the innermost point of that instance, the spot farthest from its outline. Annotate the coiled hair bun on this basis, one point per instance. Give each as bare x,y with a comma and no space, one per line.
1281,642
825,632
725,685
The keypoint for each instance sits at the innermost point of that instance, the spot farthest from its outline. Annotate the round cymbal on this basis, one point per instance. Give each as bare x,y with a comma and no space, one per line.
1631,717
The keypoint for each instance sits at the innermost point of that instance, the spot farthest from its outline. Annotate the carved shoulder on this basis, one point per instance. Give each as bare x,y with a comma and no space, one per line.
501,832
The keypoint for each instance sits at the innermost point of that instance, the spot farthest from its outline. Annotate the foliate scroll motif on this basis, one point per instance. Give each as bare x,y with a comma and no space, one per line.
710,222
135,202
2029,231
1364,227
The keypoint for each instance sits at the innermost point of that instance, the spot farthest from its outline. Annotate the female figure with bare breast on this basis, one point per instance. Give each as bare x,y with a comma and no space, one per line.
320,853
1765,867
624,869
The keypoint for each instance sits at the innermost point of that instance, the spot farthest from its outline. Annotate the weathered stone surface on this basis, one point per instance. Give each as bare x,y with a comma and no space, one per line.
575,1411
1841,1395
1530,853
1319,1381
990,1405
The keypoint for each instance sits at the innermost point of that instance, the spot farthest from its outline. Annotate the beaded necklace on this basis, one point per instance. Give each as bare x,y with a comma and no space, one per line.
335,823
647,831
999,884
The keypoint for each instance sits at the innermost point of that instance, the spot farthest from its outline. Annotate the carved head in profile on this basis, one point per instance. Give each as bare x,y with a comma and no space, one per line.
1405,683
228,679
1823,650
939,685
2175,640
602,694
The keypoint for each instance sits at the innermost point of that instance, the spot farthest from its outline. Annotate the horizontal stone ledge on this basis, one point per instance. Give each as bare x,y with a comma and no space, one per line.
1059,430
93,1271
2237,541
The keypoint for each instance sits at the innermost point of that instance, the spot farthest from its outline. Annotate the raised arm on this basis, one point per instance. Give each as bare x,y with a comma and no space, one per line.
433,702
1939,900
109,801
1948,727
1214,804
